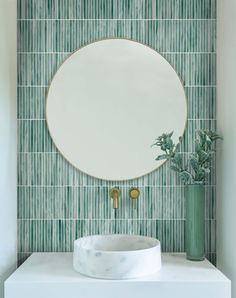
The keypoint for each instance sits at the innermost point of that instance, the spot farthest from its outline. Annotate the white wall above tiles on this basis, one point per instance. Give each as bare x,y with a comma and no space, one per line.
8,136
226,103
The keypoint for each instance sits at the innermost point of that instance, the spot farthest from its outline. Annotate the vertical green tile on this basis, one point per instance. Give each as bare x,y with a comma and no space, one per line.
56,202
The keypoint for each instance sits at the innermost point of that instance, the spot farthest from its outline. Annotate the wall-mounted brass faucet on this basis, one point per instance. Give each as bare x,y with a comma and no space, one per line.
134,193
114,194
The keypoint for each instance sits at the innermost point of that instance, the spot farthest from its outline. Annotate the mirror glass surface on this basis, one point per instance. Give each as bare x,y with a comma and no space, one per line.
108,102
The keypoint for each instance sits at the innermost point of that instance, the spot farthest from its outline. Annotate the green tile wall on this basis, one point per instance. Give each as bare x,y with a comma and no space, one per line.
56,202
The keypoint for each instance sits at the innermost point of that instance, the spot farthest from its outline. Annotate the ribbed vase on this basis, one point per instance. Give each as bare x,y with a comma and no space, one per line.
195,222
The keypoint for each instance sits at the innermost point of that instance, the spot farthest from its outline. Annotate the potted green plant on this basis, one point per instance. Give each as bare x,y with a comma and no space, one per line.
193,173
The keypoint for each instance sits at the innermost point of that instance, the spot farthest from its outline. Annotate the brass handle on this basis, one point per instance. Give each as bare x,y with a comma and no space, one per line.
114,194
134,193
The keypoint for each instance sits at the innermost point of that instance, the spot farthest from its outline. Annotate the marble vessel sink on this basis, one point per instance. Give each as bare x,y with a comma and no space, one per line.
117,256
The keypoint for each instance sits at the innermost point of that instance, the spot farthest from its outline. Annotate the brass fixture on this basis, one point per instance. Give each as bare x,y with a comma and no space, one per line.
114,194
134,193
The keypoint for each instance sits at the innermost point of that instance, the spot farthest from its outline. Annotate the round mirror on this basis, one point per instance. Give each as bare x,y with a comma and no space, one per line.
107,104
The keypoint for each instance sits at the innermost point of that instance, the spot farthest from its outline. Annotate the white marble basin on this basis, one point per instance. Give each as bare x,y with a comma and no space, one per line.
117,256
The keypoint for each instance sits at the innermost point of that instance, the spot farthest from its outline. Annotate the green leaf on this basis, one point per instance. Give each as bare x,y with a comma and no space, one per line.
174,168
204,156
194,163
199,162
163,156
177,160
185,176
197,146
200,175
169,143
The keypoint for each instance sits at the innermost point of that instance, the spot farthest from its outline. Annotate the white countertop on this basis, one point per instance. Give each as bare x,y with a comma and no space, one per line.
48,275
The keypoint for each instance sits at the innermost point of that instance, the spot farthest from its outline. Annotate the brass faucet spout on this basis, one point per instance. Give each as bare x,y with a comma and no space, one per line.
114,194
115,203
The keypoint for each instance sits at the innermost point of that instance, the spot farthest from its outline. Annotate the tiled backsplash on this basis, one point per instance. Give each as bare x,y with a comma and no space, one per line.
56,202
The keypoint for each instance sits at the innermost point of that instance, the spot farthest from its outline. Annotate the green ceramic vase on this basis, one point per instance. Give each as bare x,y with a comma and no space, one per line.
195,222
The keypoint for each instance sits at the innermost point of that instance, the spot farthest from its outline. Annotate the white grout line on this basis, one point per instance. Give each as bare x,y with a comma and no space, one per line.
121,20
200,86
35,86
57,152
46,86
195,119
64,53
38,152
106,186
42,119
108,219
71,251
31,119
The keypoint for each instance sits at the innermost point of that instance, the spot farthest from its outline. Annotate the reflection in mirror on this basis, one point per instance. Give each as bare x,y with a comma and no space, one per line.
107,103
